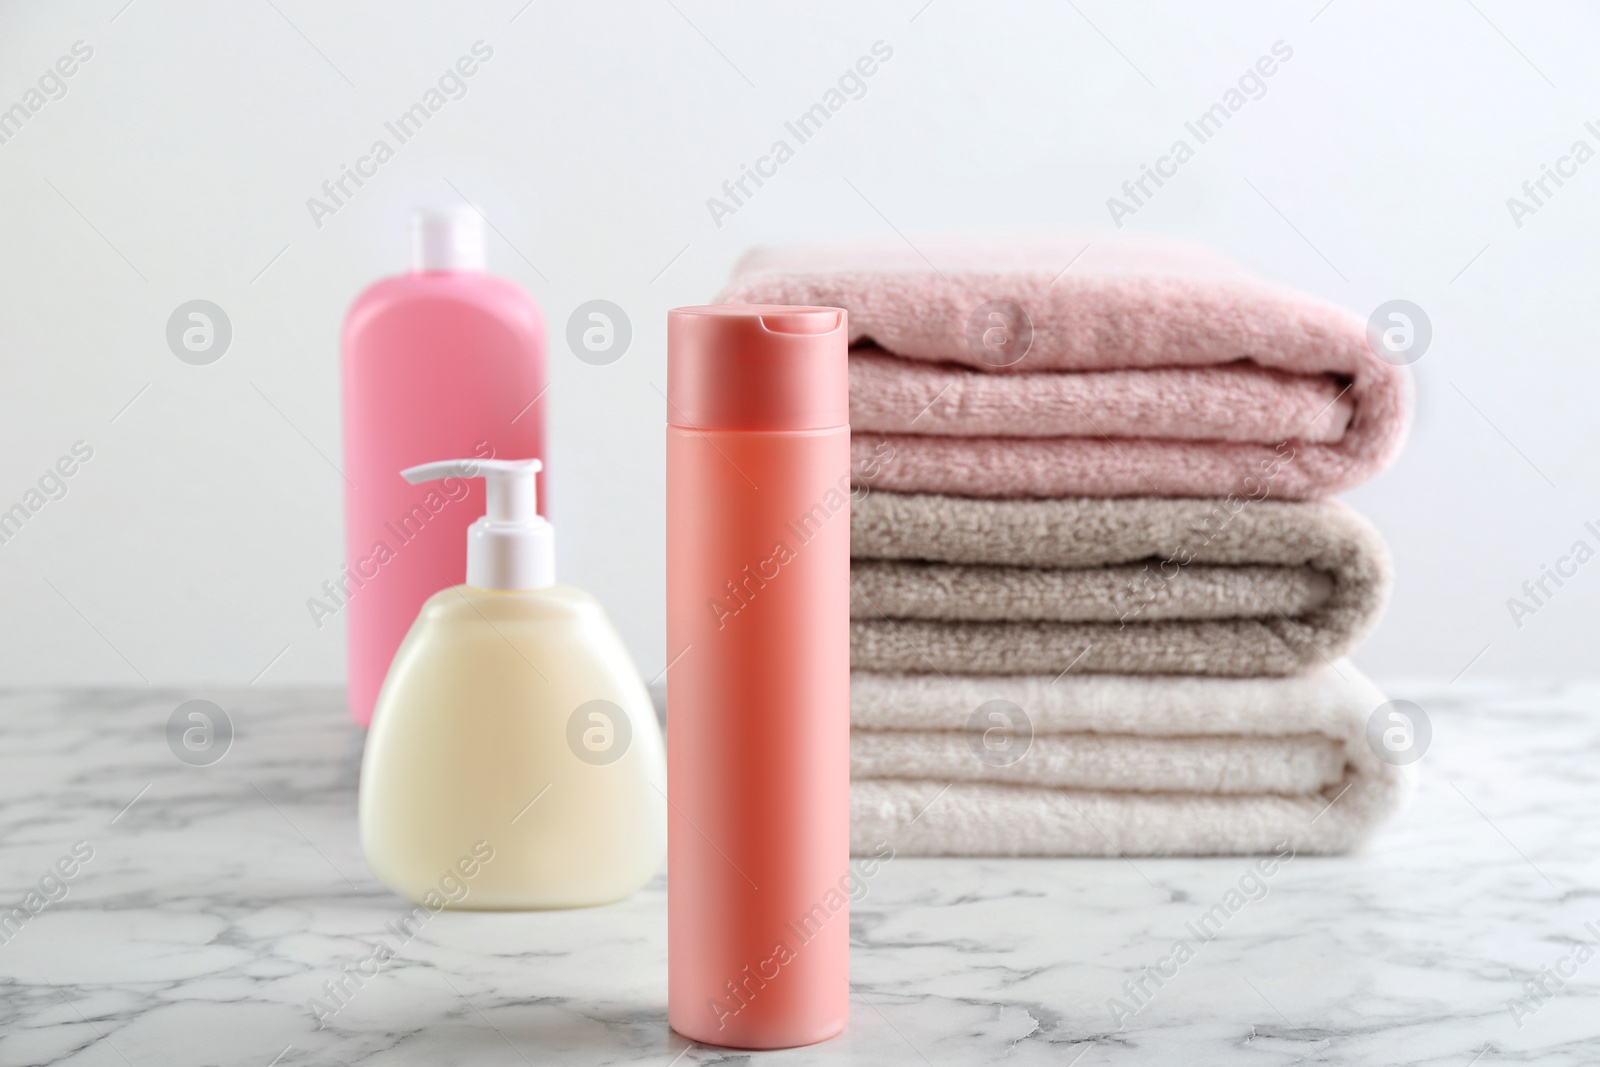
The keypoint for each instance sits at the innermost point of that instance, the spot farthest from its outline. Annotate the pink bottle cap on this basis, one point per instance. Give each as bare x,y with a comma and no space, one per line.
757,367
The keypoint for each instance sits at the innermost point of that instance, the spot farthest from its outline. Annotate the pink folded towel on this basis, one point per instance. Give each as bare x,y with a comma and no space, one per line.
1230,402
1151,368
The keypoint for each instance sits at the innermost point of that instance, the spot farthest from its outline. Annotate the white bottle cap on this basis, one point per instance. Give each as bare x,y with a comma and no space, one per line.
510,547
447,238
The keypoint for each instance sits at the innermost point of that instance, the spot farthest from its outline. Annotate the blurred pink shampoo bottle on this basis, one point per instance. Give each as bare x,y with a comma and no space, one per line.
444,360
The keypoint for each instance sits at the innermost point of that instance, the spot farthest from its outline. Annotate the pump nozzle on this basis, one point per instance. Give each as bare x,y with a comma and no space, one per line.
511,546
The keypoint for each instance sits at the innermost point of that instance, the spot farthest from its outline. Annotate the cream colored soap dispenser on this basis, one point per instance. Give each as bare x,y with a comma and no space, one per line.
514,759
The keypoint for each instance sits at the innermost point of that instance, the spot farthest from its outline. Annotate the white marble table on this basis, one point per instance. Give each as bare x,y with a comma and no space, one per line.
218,899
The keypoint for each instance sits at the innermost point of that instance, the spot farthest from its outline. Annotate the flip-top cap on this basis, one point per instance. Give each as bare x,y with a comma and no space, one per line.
757,367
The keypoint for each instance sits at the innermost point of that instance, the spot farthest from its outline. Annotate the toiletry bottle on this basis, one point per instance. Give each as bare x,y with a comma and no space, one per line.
512,725
443,361
758,691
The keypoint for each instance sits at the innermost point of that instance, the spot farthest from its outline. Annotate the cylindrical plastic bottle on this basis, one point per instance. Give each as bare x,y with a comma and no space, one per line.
443,361
758,720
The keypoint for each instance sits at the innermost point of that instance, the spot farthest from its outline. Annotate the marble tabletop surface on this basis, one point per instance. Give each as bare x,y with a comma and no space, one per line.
205,905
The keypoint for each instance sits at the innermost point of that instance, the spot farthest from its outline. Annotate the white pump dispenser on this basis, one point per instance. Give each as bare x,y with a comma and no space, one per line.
514,760
511,547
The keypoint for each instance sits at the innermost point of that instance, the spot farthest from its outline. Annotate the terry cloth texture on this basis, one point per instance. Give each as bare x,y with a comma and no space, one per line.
1132,586
1099,765
1132,367
1229,402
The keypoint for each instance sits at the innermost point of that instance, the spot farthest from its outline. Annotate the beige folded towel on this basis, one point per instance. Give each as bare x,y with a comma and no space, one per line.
905,589
1236,587
1117,764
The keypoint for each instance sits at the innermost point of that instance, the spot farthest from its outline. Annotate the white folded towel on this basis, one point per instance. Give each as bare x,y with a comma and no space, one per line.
1116,764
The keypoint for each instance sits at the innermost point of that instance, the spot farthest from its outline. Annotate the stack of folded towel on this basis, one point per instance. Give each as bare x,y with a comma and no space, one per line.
1099,602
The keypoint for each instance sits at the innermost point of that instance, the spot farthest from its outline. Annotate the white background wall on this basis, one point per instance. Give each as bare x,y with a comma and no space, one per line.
179,163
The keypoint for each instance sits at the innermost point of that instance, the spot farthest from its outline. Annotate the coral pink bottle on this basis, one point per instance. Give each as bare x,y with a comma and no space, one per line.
758,719
443,361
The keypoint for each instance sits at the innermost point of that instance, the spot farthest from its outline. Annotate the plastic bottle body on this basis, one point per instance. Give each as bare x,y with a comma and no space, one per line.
474,742
758,558
435,364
